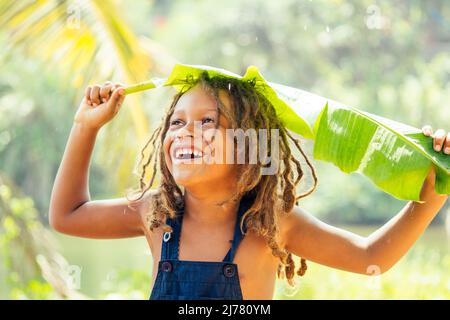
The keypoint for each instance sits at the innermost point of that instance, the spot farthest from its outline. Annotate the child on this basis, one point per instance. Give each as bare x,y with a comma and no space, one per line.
221,229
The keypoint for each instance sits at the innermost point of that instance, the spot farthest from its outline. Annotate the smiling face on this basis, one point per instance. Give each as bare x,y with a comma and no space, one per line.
194,139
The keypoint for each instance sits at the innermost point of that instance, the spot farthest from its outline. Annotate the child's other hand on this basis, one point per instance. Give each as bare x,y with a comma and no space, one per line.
100,104
441,142
441,139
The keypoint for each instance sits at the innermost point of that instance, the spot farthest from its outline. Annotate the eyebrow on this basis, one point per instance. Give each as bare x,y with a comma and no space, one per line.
182,111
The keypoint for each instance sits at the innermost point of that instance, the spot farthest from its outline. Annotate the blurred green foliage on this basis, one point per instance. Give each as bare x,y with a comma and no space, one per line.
35,122
421,274
30,266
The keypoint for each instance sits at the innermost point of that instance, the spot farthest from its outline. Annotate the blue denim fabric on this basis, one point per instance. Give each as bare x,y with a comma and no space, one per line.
197,280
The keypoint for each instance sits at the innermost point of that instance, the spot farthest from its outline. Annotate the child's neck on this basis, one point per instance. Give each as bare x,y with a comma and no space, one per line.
209,206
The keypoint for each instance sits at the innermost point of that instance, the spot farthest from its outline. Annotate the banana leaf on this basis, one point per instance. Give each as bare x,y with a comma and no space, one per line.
396,157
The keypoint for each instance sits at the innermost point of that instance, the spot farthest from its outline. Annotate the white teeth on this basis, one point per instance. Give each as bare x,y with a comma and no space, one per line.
184,151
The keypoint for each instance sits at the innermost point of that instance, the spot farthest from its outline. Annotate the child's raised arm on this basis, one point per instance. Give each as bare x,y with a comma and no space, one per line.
71,210
308,237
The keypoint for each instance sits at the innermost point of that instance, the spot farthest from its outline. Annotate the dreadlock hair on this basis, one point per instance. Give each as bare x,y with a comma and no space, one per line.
274,195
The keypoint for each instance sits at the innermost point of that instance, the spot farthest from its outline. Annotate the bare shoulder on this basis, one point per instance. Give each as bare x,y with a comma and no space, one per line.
144,205
289,219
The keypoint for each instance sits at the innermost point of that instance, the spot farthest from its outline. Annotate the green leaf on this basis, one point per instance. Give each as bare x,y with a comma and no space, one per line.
394,156
378,148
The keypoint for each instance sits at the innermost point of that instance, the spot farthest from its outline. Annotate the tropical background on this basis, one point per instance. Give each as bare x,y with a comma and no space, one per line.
387,58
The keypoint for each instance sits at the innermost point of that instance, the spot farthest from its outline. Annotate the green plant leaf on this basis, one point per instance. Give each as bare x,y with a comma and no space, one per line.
394,156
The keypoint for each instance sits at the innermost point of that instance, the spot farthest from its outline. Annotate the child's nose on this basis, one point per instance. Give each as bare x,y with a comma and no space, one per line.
190,128
187,130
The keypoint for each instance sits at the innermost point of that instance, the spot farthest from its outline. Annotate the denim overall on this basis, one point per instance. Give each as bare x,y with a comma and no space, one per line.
197,280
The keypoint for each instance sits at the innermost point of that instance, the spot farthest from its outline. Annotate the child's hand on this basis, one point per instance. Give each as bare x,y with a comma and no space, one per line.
100,104
441,142
441,139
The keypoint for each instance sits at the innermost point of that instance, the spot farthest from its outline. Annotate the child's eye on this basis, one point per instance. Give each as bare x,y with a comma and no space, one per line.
175,122
207,120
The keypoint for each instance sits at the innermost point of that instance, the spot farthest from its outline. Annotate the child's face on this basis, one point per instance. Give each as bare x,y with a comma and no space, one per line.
192,155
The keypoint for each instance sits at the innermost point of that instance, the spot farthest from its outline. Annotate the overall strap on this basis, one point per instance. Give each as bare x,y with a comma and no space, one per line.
244,205
171,240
